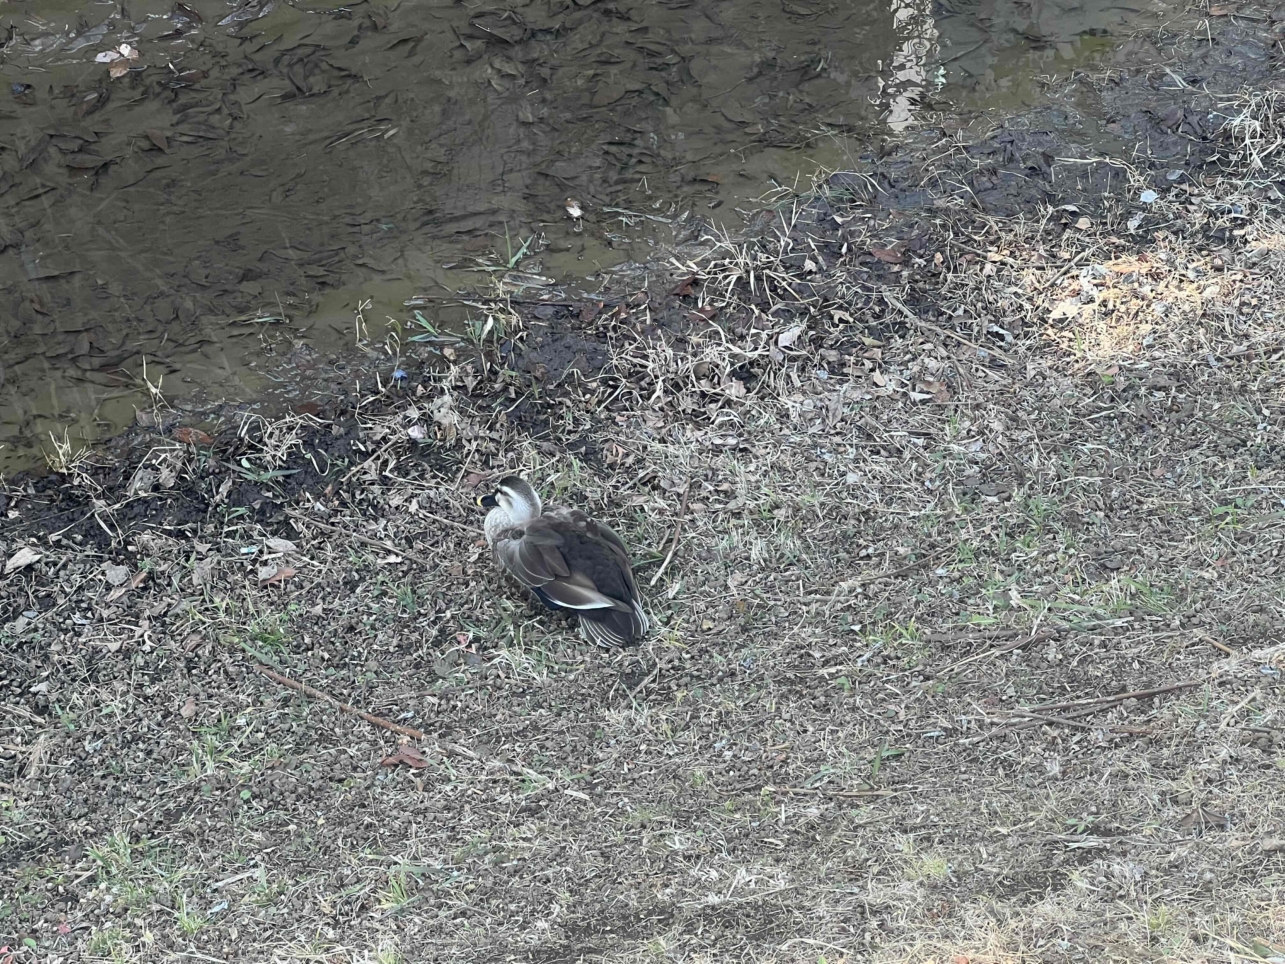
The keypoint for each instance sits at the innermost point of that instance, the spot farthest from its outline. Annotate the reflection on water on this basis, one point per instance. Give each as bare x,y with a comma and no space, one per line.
912,21
220,199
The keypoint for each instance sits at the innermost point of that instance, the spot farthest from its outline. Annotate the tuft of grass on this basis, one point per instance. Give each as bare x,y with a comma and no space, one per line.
190,922
397,893
927,868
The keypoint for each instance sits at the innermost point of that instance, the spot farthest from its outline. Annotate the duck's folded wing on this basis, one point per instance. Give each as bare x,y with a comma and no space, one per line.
605,536
571,594
544,559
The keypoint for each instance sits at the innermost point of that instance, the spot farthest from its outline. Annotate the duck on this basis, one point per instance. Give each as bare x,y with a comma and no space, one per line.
569,561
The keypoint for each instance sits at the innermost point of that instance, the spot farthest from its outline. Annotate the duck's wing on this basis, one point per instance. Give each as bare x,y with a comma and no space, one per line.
570,563
600,532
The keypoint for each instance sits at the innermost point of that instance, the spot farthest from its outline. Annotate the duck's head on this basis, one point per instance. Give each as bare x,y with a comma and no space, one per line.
515,497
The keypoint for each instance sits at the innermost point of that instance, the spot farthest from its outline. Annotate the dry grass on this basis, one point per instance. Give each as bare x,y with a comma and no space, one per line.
938,511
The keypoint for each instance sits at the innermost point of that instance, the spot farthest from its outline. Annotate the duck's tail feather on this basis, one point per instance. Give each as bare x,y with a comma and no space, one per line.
614,627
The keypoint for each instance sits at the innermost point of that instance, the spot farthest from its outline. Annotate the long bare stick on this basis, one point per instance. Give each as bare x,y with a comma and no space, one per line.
916,320
822,792
376,543
1079,708
673,543
1039,637
445,746
1041,719
1118,698
919,563
350,710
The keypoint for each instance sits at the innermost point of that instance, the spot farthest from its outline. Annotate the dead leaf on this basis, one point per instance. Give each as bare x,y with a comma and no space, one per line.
134,583
188,710
788,337
1083,224
1202,818
116,575
408,754
271,575
277,544
118,68
21,559
683,288
191,436
417,432
158,138
221,495
203,571
938,390
1219,10
1065,309
878,379
887,255
445,416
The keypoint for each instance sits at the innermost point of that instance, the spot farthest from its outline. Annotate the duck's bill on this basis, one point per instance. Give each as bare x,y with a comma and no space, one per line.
486,501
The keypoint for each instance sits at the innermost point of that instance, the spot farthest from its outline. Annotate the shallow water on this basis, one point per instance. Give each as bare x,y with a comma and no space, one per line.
211,220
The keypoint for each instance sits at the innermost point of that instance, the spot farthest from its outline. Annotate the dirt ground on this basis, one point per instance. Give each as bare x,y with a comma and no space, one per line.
958,495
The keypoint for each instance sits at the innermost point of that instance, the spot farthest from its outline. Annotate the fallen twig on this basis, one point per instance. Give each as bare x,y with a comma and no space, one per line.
1221,647
1079,708
654,674
446,747
972,635
919,563
23,712
822,792
1101,701
1000,650
376,543
1039,719
944,332
673,543
334,701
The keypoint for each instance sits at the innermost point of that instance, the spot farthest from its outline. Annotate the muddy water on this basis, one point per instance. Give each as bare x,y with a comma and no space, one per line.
217,199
